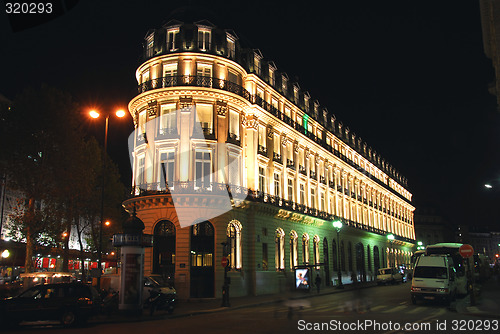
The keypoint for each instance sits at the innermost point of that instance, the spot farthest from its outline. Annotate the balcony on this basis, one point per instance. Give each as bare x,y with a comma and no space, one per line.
302,170
312,174
262,150
233,138
206,131
277,157
290,164
322,179
331,184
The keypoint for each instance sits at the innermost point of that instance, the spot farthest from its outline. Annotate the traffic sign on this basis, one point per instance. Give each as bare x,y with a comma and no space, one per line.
466,250
224,261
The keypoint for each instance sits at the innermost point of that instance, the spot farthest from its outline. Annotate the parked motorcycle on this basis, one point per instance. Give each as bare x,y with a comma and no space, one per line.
159,300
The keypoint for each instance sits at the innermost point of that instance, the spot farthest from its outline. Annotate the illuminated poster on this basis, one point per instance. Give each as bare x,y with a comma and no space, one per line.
302,279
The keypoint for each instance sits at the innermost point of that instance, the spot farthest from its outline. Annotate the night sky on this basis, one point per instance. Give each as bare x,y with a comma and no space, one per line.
408,77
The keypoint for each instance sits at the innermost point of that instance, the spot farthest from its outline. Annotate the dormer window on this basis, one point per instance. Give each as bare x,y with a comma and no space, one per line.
150,45
256,64
284,84
203,39
296,94
306,102
271,76
171,37
231,47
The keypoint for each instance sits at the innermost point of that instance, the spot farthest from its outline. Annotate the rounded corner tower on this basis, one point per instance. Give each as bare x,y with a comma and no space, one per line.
231,160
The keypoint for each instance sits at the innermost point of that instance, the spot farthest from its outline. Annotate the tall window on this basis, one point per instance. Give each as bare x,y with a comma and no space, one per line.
302,195
277,146
140,170
149,45
280,249
305,248
204,117
262,179
166,171
290,189
168,119
171,37
262,137
204,70
234,124
203,169
203,39
322,203
277,184
142,123
294,250
256,61
233,170
271,76
234,235
231,47
316,251
313,198
169,75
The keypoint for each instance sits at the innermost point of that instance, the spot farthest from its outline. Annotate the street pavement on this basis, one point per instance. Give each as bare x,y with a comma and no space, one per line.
487,303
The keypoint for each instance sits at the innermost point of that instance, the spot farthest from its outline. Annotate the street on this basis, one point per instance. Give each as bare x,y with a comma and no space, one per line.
381,309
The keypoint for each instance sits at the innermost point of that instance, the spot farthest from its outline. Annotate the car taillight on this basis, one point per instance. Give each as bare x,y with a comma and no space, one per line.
414,288
86,301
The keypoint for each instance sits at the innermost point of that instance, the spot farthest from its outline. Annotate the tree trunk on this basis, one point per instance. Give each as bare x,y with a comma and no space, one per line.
30,217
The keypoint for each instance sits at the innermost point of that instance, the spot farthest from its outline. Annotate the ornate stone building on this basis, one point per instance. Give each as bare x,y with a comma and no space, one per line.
230,150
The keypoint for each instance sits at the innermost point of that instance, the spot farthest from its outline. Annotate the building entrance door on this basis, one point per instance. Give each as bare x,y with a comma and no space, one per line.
164,250
202,261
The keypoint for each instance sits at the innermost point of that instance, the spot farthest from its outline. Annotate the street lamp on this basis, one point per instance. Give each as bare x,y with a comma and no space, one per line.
95,114
390,237
337,224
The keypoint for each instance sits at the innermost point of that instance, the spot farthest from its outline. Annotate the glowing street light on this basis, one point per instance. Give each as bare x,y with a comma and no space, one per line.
107,223
489,186
5,254
337,224
95,114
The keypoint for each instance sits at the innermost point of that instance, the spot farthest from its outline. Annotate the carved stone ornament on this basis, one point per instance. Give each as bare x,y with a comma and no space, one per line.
152,108
185,103
270,133
221,108
296,147
284,140
307,153
250,122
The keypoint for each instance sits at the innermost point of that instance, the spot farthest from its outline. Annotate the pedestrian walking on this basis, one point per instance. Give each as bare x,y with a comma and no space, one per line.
318,282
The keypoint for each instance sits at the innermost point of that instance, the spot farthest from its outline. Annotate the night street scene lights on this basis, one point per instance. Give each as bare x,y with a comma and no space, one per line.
95,114
337,224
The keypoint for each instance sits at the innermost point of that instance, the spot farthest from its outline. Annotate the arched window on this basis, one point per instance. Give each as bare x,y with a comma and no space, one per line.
305,248
342,256
369,257
376,258
294,250
234,237
349,256
334,256
280,249
164,249
316,250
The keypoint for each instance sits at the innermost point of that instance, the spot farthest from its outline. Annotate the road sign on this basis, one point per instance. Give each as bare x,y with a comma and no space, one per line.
224,261
466,251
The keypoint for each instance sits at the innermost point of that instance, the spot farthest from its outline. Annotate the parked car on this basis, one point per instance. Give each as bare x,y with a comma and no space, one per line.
70,303
389,275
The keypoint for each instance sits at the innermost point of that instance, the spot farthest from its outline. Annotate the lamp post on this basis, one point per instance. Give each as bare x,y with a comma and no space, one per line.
95,114
337,224
390,237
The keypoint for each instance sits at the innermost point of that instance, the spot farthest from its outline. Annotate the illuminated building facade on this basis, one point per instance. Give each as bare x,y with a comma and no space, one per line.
225,115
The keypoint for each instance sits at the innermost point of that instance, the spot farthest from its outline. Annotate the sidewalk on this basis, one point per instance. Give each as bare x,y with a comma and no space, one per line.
204,306
487,300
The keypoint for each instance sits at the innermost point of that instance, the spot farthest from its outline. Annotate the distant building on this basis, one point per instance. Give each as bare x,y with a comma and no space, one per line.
219,126
485,242
431,228
490,23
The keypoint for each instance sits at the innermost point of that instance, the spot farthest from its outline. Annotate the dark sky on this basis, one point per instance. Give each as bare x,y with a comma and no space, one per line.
409,77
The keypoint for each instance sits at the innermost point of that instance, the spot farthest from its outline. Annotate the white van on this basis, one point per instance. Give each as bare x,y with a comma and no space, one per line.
434,278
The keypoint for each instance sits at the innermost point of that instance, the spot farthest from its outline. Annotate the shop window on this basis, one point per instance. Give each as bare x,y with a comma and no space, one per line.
280,249
234,237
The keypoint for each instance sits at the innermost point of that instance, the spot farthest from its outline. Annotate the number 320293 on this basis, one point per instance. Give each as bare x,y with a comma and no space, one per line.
28,8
